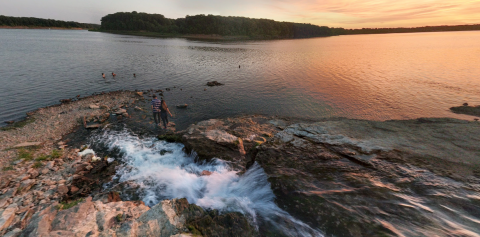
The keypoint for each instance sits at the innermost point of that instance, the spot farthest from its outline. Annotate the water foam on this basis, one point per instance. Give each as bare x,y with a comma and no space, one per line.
163,171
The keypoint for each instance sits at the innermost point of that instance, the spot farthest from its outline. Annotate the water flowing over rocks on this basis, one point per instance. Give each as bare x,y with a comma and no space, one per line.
360,178
335,178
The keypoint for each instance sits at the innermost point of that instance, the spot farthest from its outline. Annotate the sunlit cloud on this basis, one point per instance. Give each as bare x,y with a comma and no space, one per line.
337,13
380,13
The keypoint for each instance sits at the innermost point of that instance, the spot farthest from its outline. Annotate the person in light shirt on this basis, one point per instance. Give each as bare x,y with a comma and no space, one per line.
156,103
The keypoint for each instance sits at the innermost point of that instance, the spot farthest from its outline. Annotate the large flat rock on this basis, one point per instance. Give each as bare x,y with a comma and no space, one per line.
27,144
7,216
449,139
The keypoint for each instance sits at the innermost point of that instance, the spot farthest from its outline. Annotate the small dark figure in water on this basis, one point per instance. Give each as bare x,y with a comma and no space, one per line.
156,103
163,113
103,75
238,66
113,74
134,75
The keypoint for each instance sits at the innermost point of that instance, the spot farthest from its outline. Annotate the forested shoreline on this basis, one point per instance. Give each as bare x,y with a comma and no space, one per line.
410,30
212,25
242,27
32,22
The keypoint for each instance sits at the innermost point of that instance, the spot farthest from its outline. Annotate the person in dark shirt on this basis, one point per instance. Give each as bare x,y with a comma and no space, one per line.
163,113
156,109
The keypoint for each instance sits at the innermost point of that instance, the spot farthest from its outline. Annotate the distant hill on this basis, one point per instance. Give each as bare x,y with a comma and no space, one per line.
410,30
32,22
212,25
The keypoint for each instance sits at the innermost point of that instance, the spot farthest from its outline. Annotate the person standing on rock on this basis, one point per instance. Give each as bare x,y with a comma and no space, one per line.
156,103
163,113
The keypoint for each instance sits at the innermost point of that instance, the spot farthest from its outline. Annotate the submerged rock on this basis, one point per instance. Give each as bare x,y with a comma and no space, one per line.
214,83
206,172
465,109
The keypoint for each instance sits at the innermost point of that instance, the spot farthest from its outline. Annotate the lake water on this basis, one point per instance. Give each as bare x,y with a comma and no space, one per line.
377,77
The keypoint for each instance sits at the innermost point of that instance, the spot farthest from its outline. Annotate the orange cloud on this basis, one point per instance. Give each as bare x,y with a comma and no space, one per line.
381,13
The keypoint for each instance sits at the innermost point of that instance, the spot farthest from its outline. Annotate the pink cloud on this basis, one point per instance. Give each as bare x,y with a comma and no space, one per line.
371,12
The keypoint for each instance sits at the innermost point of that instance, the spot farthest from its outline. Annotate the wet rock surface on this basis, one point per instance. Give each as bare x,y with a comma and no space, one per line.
227,139
359,178
342,177
167,218
466,109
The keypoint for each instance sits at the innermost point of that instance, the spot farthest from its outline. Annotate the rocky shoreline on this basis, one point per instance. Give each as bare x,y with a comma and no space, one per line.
343,177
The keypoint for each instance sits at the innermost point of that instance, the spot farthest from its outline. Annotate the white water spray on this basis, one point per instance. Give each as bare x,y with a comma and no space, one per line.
163,171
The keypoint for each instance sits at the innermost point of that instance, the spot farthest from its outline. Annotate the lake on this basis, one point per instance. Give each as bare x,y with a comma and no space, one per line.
374,77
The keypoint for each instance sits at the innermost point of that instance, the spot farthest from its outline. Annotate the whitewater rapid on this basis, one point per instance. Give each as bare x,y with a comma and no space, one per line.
163,171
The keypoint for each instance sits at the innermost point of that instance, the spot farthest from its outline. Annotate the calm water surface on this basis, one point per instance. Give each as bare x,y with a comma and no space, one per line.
379,77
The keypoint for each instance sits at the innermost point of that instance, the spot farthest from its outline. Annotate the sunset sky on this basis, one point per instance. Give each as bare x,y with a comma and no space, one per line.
335,13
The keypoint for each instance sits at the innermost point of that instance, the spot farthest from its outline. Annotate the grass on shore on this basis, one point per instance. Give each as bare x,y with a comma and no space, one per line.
25,154
37,165
18,124
64,205
7,168
56,153
53,155
43,157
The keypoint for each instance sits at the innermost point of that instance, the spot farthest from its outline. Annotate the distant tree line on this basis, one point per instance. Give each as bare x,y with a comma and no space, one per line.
39,22
213,25
409,30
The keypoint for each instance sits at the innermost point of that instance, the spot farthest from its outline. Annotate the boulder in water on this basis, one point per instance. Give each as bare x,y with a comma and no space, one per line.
206,173
183,106
214,83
